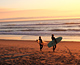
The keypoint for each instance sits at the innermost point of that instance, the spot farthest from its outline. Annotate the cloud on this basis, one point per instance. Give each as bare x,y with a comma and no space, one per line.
21,18
11,15
15,18
26,18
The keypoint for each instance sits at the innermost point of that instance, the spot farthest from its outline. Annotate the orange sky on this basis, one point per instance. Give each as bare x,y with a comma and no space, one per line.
40,9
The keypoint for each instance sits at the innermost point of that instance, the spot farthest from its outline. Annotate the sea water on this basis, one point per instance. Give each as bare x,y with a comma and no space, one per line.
30,30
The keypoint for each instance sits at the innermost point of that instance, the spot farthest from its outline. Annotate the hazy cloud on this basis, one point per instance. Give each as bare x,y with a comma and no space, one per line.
29,18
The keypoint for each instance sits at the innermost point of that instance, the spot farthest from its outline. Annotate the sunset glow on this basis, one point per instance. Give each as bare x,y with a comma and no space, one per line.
39,9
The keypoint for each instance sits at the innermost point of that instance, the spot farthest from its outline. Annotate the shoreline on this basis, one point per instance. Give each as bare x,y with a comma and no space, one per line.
33,40
32,37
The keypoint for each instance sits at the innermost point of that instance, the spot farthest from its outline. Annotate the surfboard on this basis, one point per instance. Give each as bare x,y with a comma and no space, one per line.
52,43
44,43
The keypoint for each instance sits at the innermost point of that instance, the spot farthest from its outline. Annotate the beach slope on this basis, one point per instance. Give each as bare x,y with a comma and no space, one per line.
27,53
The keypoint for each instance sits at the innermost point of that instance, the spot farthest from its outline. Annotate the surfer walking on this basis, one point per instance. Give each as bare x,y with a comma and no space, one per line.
53,38
40,41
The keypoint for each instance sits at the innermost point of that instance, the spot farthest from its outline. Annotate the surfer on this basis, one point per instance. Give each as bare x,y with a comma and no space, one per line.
40,41
53,38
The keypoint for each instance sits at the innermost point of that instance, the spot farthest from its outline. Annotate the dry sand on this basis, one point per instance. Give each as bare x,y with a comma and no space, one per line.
27,53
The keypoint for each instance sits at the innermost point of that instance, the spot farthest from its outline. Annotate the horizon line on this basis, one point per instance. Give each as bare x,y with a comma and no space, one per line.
42,20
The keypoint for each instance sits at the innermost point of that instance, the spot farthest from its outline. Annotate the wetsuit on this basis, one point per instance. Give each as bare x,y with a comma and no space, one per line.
41,46
54,47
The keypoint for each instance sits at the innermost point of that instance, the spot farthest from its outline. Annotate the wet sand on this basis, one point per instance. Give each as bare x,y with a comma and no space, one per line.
14,52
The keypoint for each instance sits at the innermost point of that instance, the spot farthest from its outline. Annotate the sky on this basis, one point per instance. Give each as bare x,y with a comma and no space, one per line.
39,9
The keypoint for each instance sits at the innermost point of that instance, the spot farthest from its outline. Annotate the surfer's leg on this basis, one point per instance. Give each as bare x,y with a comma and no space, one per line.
53,48
41,46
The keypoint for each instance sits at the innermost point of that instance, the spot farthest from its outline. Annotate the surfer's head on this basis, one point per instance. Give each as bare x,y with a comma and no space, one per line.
39,37
52,35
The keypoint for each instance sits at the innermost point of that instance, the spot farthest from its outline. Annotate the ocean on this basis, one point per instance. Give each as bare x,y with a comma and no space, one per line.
68,29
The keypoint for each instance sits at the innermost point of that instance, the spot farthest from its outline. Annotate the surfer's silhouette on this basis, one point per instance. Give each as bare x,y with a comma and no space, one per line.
40,41
53,38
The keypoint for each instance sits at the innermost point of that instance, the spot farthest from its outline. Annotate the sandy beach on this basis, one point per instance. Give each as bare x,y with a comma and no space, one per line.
13,52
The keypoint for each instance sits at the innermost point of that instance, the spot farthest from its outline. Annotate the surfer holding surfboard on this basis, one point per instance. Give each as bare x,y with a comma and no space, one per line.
53,38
